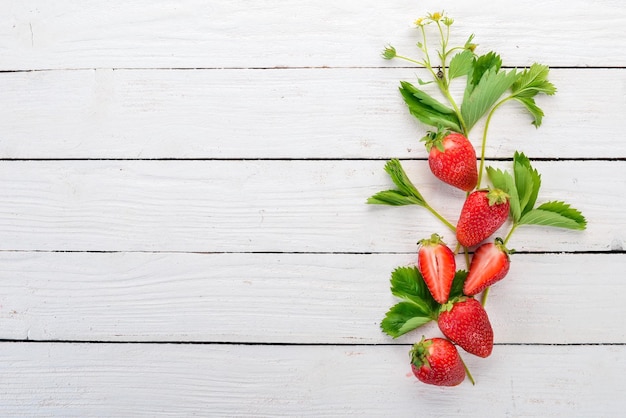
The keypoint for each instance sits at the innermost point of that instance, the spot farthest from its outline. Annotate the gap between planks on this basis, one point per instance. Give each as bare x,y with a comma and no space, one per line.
283,344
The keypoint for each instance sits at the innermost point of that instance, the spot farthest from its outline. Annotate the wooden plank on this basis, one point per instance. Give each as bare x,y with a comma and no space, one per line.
296,113
287,298
232,380
260,206
270,33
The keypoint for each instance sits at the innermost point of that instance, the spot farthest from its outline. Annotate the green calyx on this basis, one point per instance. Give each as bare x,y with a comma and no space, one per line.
435,239
497,196
435,139
447,307
419,353
499,243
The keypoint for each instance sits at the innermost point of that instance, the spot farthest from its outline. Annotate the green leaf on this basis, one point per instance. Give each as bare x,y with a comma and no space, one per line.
461,64
533,109
393,198
481,65
402,318
457,284
480,97
407,193
408,284
529,83
418,306
504,180
556,214
527,182
532,81
427,109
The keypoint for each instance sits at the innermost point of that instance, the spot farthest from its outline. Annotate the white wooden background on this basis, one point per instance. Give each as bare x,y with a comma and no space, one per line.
182,221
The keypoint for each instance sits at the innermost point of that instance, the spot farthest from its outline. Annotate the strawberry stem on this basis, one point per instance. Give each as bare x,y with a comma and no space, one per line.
483,299
467,371
421,63
441,218
484,141
508,236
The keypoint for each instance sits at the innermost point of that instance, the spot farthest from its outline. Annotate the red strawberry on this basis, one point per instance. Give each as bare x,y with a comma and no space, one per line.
436,263
452,159
436,361
490,264
483,212
466,323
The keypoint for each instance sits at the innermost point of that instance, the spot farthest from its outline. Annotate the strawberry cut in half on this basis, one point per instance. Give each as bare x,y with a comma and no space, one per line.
452,159
489,265
436,263
483,212
465,322
436,361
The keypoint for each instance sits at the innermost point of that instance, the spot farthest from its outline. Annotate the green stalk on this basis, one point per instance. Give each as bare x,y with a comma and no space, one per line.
425,46
484,141
441,218
508,236
483,299
444,83
448,96
422,63
467,371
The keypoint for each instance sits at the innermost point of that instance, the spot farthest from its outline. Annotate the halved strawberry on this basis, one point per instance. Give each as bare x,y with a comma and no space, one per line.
437,265
483,212
490,264
436,361
465,322
452,159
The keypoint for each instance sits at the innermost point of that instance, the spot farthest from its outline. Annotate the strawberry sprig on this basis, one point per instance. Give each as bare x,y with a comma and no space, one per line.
433,290
405,194
485,86
523,188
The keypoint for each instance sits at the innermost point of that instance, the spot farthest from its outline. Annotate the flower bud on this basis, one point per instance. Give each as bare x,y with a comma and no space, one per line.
389,52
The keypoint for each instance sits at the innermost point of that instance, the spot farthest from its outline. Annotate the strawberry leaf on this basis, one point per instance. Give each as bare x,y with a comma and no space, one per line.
486,84
392,198
531,106
402,318
503,180
406,194
529,83
527,182
427,109
457,284
481,64
461,64
532,81
408,284
417,307
556,214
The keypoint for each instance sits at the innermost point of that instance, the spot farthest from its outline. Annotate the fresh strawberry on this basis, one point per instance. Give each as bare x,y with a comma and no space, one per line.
436,361
490,264
465,322
436,263
452,159
483,212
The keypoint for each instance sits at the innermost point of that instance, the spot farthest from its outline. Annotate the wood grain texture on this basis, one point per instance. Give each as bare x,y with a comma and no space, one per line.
273,33
183,227
292,113
277,206
288,298
90,380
